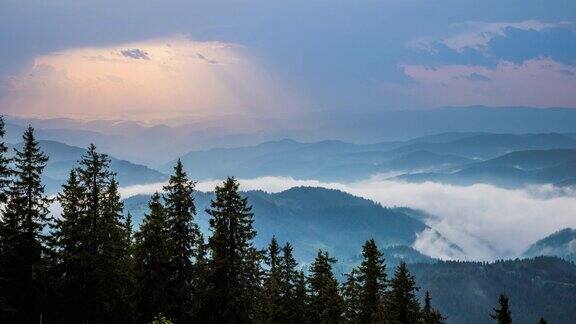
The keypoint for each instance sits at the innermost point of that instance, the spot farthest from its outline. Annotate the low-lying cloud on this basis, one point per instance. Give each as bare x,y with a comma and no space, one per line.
485,221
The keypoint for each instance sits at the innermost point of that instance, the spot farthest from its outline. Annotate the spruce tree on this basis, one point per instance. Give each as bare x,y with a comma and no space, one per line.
325,300
430,315
289,276
24,245
93,244
301,309
185,243
351,292
502,315
5,228
117,262
68,242
372,278
272,309
234,267
152,262
402,305
5,170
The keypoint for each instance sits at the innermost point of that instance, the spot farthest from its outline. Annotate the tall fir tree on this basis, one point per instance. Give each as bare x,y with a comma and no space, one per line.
186,243
431,315
502,315
351,294
5,170
402,305
24,244
372,278
234,267
273,311
68,241
288,286
152,263
5,228
117,262
93,243
325,300
301,309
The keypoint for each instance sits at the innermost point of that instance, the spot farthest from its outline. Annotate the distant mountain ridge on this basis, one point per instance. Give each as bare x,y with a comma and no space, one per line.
156,144
555,166
63,158
502,159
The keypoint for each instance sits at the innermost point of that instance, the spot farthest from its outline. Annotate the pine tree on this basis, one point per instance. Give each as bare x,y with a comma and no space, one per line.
117,261
351,292
431,315
234,268
93,243
402,305
185,239
502,315
301,310
67,239
5,228
5,171
325,301
23,242
372,278
288,282
272,308
152,258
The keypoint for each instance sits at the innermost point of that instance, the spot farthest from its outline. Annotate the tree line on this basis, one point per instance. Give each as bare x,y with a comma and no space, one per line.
86,265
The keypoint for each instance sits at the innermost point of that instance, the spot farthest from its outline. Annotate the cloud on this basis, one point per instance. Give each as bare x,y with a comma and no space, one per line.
477,77
135,53
184,79
485,221
538,82
477,35
205,59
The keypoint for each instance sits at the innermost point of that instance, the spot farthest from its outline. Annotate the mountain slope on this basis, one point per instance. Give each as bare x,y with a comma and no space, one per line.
510,170
313,218
63,158
486,146
466,291
532,159
561,244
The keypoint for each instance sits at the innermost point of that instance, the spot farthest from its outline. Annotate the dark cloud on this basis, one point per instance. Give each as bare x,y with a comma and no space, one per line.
205,59
135,53
478,77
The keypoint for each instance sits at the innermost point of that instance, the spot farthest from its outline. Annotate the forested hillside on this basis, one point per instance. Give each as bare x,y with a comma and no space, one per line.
312,218
538,287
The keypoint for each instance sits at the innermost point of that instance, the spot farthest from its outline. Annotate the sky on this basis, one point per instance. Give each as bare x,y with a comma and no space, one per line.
155,60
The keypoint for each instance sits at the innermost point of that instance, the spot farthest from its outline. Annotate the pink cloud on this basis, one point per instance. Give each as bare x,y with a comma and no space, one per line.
537,82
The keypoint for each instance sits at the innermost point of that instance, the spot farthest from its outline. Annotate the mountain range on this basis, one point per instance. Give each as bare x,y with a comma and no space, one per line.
156,143
63,158
508,160
317,218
